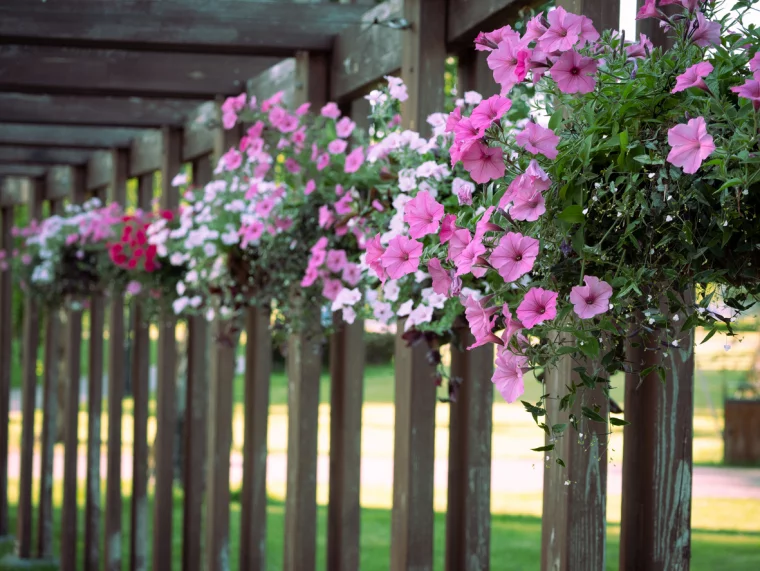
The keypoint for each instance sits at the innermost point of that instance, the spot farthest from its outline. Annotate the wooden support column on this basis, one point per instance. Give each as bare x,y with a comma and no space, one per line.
49,422
166,406
655,521
468,517
29,348
138,560
423,66
6,348
253,508
347,354
71,412
116,376
196,414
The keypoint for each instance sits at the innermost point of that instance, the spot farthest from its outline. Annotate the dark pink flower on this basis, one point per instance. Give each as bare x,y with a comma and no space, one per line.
234,104
331,288
750,90
694,77
465,131
537,306
641,49
511,325
563,33
453,119
705,33
591,299
484,163
527,205
574,73
274,100
352,273
375,251
354,160
326,217
537,139
468,257
441,277
508,374
344,127
648,10
292,165
534,29
489,110
447,228
336,260
505,62
423,214
458,242
232,160
514,256
310,187
691,144
330,110
344,205
337,147
481,320
402,257
322,161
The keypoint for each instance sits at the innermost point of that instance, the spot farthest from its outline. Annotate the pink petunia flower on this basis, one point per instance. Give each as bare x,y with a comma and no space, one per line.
508,374
563,33
345,127
534,29
588,34
402,257
453,118
463,190
303,109
537,306
591,299
232,160
574,73
514,256
310,187
484,163
465,131
344,205
508,63
441,278
480,319
511,325
648,10
485,225
292,165
423,214
691,144
489,110
527,205
330,110
331,288
754,63
537,139
373,257
336,260
468,257
705,33
641,49
322,161
448,225
337,147
749,90
326,217
694,77
352,273
458,242
310,276
354,160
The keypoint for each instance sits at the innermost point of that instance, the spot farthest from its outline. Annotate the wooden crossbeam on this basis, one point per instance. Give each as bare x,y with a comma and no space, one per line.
483,15
225,26
42,155
13,170
81,71
24,134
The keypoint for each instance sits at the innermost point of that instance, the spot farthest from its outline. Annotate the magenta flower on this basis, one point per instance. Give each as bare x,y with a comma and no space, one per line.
704,32
463,190
484,163
691,144
469,256
322,161
537,139
310,276
423,214
326,217
480,319
534,179
648,10
448,225
453,118
485,225
694,77
441,278
527,205
331,288
534,29
489,110
402,257
354,160
750,90
352,273
310,187
133,288
373,257
336,260
511,325
537,306
465,131
563,33
591,299
344,205
232,160
640,50
337,147
574,73
345,127
292,165
588,33
508,374
508,63
514,256
330,110
458,242
754,63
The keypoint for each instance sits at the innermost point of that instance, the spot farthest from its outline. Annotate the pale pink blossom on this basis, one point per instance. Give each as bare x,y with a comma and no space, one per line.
354,160
574,73
705,33
331,288
133,288
463,190
537,139
336,260
749,90
690,145
588,34
534,29
489,110
537,306
232,160
303,109
481,320
511,325
508,64
458,242
352,273
423,214
514,256
694,77
648,10
563,33
508,374
229,120
485,225
274,100
591,299
344,127
641,49
373,257
322,161
310,187
396,88
484,163
402,257
448,225
453,119
326,217
468,257
337,147
441,277
330,110
527,205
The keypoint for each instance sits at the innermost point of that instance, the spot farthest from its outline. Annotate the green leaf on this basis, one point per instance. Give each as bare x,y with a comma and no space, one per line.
560,462
556,119
591,414
559,428
589,347
544,448
566,350
712,332
618,421
572,214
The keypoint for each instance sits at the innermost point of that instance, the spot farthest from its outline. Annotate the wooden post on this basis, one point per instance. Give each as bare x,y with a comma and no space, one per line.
196,413
116,373
71,412
163,449
468,516
49,422
6,348
423,65
347,354
655,521
29,396
258,369
138,560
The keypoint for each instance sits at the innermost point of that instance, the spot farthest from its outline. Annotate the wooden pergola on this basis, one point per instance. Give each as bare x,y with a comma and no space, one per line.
93,93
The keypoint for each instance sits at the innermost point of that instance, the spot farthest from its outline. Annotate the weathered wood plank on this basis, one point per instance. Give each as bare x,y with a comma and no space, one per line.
235,26
655,521
281,77
468,515
138,547
29,348
166,406
741,445
23,134
258,369
196,412
6,338
49,422
58,183
69,538
99,169
42,155
145,153
30,171
347,352
79,71
94,111
468,17
198,139
116,377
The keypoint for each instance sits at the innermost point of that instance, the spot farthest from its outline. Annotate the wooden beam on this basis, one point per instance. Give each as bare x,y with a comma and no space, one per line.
42,156
281,77
363,54
99,169
467,18
6,348
79,71
198,137
58,181
23,134
14,191
15,170
89,110
145,153
230,26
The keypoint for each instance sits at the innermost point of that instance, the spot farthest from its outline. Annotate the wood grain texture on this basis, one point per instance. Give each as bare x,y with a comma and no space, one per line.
23,134
30,343
281,77
253,506
99,169
6,347
741,443
468,515
347,355
42,155
145,152
311,81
